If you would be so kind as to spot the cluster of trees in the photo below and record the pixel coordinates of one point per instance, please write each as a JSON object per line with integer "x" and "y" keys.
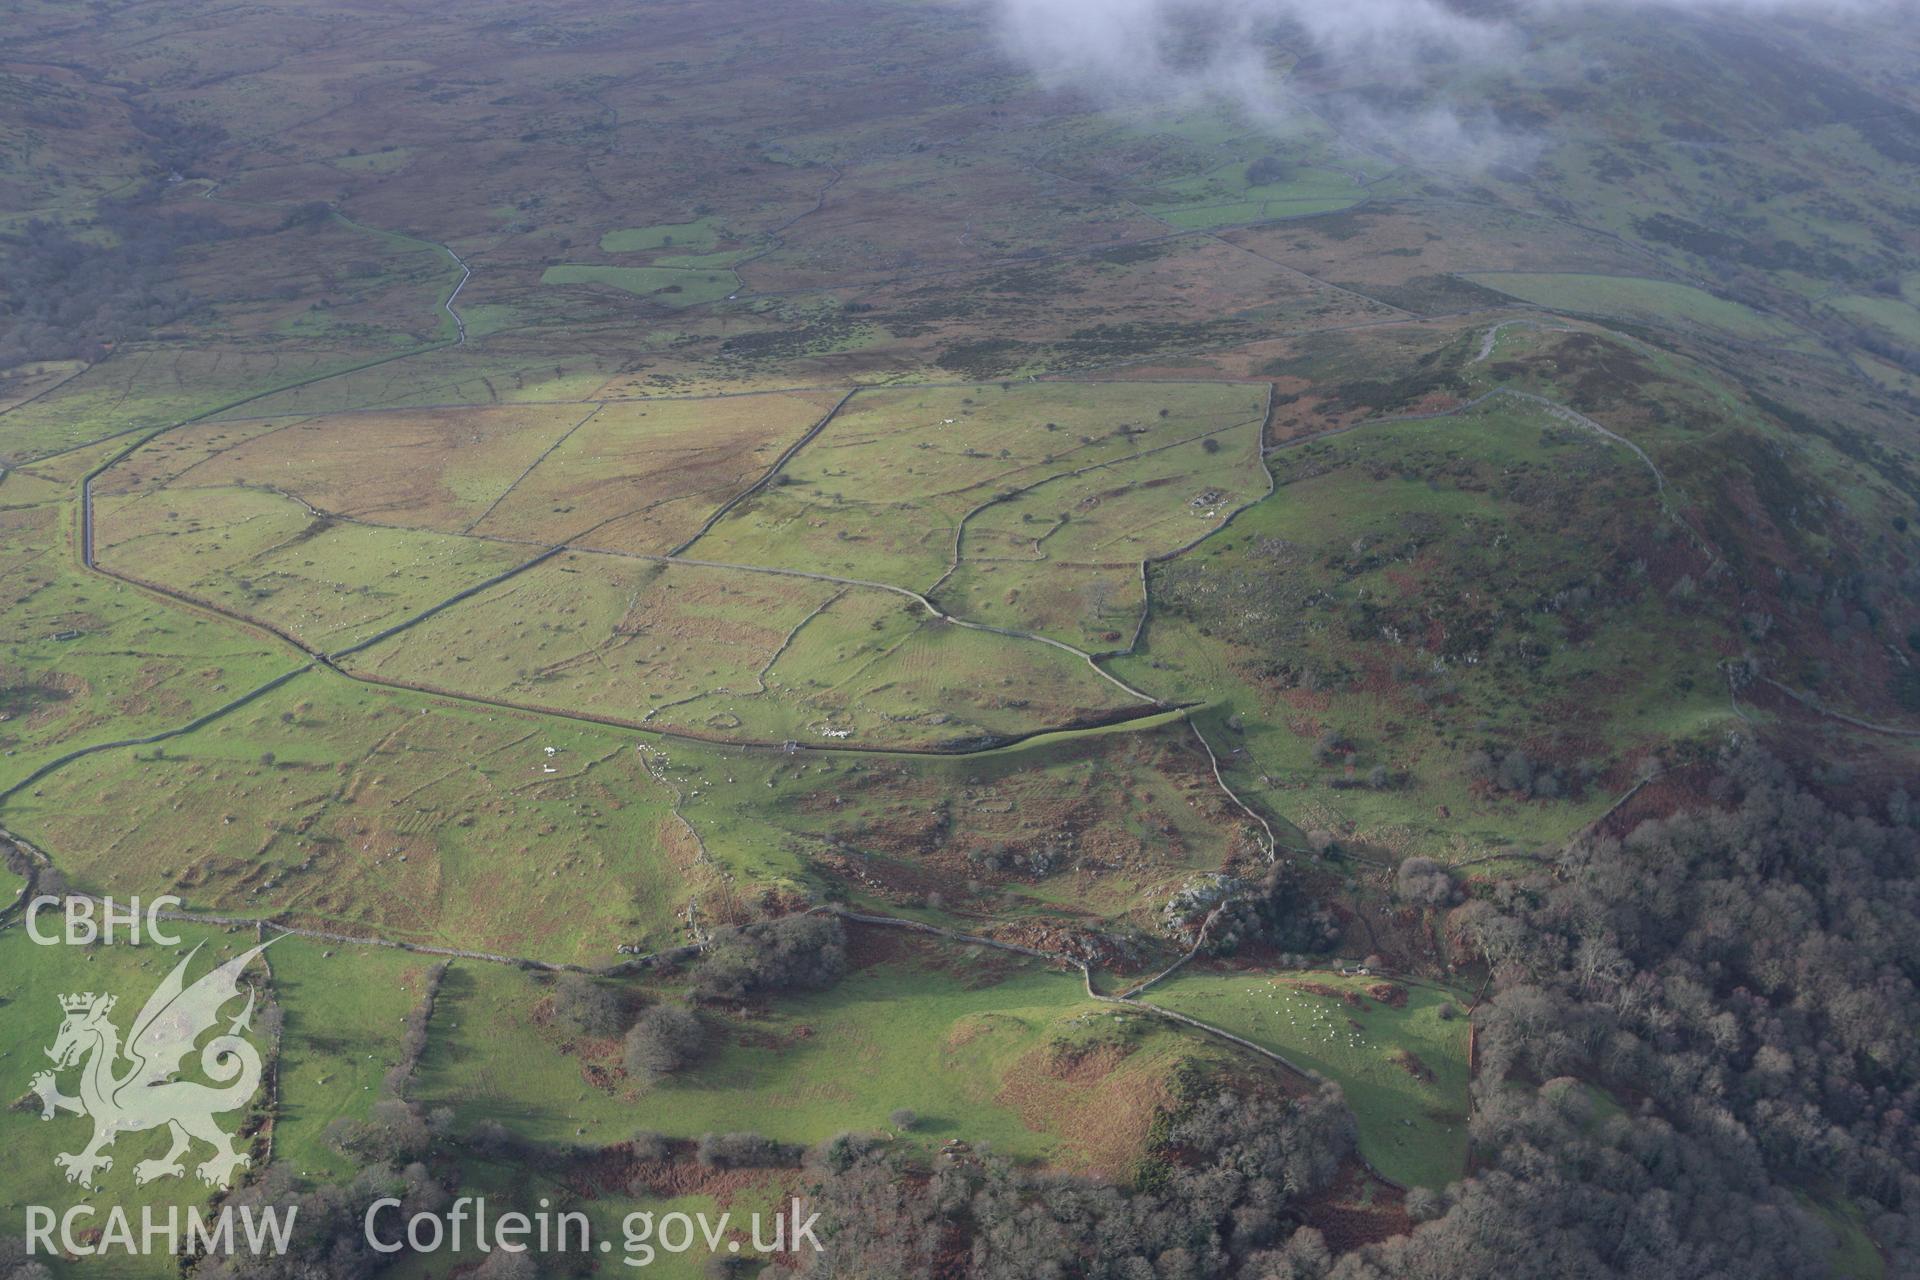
{"x": 394, "y": 1132}
{"x": 413, "y": 1041}
{"x": 1566, "y": 1191}
{"x": 1564, "y": 1188}
{"x": 1738, "y": 982}
{"x": 1279, "y": 911}
{"x": 65, "y": 297}
{"x": 1216, "y": 1203}
{"x": 1747, "y": 970}
{"x": 173, "y": 143}
{"x": 328, "y": 1239}
{"x": 590, "y": 1007}
{"x": 17, "y": 1264}
{"x": 1424, "y": 881}
{"x": 1027, "y": 858}
{"x": 1515, "y": 772}
{"x": 745, "y": 1151}
{"x": 793, "y": 953}
{"x": 663, "y": 1040}
{"x": 1268, "y": 169}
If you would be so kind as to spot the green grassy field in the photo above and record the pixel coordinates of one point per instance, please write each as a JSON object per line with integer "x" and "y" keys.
{"x": 737, "y": 655}
{"x": 1645, "y": 301}
{"x": 342, "y": 805}
{"x": 1226, "y": 197}
{"x": 1404, "y": 1070}
{"x": 1856, "y": 1257}
{"x": 145, "y": 389}
{"x": 1001, "y": 1053}
{"x": 1063, "y": 557}
{"x": 632, "y": 475}
{"x": 1897, "y": 316}
{"x": 645, "y": 476}
{"x": 670, "y": 286}
{"x": 264, "y": 556}
{"x": 383, "y": 161}
{"x": 881, "y": 491}
{"x": 433, "y": 469}
{"x": 700, "y": 235}
{"x": 93, "y": 661}
{"x": 341, "y": 1006}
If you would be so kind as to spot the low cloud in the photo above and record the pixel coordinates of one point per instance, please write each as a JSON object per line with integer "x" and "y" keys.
{"x": 1181, "y": 52}
{"x": 1169, "y": 48}
{"x": 1188, "y": 52}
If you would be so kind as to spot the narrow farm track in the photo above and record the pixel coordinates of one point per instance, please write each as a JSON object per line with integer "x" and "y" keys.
{"x": 446, "y": 304}
{"x": 466, "y": 274}
{"x": 1571, "y": 415}
{"x": 1553, "y": 408}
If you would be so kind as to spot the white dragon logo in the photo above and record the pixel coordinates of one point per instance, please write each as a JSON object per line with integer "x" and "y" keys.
{"x": 146, "y": 1096}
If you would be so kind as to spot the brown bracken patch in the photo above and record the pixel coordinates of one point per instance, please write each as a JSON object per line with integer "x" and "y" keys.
{"x": 615, "y": 1171}
{"x": 1347, "y": 1221}
{"x": 1100, "y": 1111}
{"x": 1331, "y": 993}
